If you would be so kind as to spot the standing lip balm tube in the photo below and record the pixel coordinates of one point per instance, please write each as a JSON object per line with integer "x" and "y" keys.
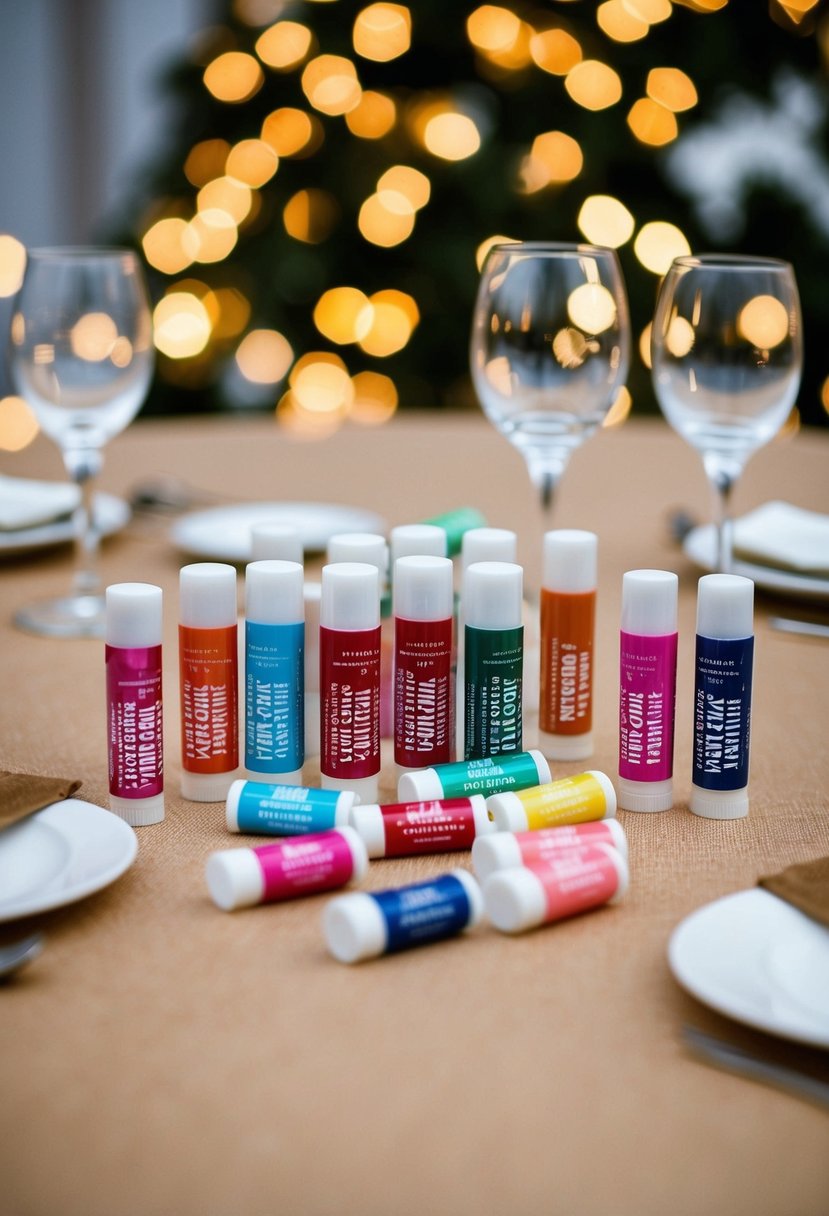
{"x": 505, "y": 850}
{"x": 578, "y": 799}
{"x": 311, "y": 595}
{"x": 275, "y": 542}
{"x": 274, "y": 671}
{"x": 494, "y": 659}
{"x": 573, "y": 882}
{"x": 568, "y": 613}
{"x": 134, "y": 727}
{"x": 465, "y": 777}
{"x": 366, "y": 925}
{"x": 722, "y": 696}
{"x": 647, "y": 690}
{"x": 422, "y": 661}
{"x": 285, "y": 810}
{"x": 208, "y": 670}
{"x": 350, "y": 679}
{"x": 442, "y": 826}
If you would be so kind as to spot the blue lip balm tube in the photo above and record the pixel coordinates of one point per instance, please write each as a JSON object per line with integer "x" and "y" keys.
{"x": 263, "y": 809}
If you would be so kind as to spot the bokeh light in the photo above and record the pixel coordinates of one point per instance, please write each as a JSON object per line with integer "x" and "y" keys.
{"x": 18, "y": 425}
{"x": 555, "y": 51}
{"x": 764, "y": 322}
{"x": 12, "y": 264}
{"x": 651, "y": 123}
{"x": 292, "y": 132}
{"x": 593, "y": 85}
{"x": 321, "y": 384}
{"x": 620, "y": 409}
{"x": 658, "y": 243}
{"x": 394, "y": 317}
{"x": 373, "y": 117}
{"x": 169, "y": 245}
{"x": 672, "y": 89}
{"x": 93, "y": 336}
{"x": 490, "y": 242}
{"x": 330, "y": 83}
{"x": 206, "y": 160}
{"x": 181, "y": 325}
{"x": 310, "y": 216}
{"x": 264, "y": 356}
{"x": 233, "y": 77}
{"x": 620, "y": 22}
{"x": 284, "y": 45}
{"x": 605, "y": 220}
{"x": 252, "y": 162}
{"x": 451, "y": 136}
{"x": 343, "y": 315}
{"x": 381, "y": 222}
{"x": 382, "y": 32}
{"x": 375, "y": 399}
{"x": 592, "y": 308}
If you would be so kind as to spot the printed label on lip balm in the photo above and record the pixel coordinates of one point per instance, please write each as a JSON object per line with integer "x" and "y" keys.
{"x": 424, "y": 912}
{"x": 303, "y": 867}
{"x": 286, "y": 810}
{"x": 565, "y": 705}
{"x": 568, "y": 800}
{"x": 488, "y": 776}
{"x": 646, "y": 706}
{"x": 576, "y": 881}
{"x": 439, "y": 826}
{"x": 208, "y": 669}
{"x": 136, "y": 754}
{"x": 537, "y": 847}
{"x": 722, "y": 713}
{"x": 422, "y": 692}
{"x": 494, "y": 660}
{"x": 350, "y": 700}
{"x": 274, "y": 697}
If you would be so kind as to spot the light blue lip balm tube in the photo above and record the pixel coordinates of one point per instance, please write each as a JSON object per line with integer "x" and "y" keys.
{"x": 274, "y": 671}
{"x": 264, "y": 809}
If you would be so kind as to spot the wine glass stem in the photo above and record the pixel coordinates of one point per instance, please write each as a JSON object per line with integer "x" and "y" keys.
{"x": 83, "y": 466}
{"x": 723, "y": 477}
{"x": 545, "y": 469}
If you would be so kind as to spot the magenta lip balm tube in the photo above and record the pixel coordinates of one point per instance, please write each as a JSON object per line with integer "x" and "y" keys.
{"x": 134, "y": 716}
{"x": 647, "y": 690}
{"x": 423, "y": 708}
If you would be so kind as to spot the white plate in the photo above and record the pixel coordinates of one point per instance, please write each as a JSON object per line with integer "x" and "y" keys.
{"x": 224, "y": 532}
{"x": 60, "y": 854}
{"x": 701, "y": 546}
{"x": 759, "y": 960}
{"x": 111, "y": 515}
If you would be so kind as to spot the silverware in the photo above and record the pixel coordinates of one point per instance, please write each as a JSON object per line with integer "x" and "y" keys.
{"x": 811, "y": 628}
{"x": 18, "y": 954}
{"x": 744, "y": 1064}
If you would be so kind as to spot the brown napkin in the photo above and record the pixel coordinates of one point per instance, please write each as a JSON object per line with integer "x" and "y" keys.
{"x": 21, "y": 794}
{"x": 805, "y": 885}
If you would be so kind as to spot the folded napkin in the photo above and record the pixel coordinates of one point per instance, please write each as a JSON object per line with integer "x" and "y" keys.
{"x": 778, "y": 534}
{"x": 805, "y": 885}
{"x": 21, "y": 794}
{"x": 25, "y": 503}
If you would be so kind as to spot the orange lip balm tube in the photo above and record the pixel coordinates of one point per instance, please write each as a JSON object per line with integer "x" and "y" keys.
{"x": 568, "y": 612}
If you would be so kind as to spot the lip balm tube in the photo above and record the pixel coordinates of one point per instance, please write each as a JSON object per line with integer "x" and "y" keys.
{"x": 494, "y": 659}
{"x": 274, "y": 671}
{"x": 311, "y": 595}
{"x": 208, "y": 672}
{"x": 464, "y": 777}
{"x": 578, "y": 799}
{"x": 416, "y": 540}
{"x": 573, "y": 882}
{"x": 647, "y": 690}
{"x": 456, "y": 524}
{"x": 504, "y": 850}
{"x": 285, "y": 810}
{"x": 240, "y": 878}
{"x": 423, "y": 703}
{"x": 271, "y": 542}
{"x": 134, "y": 715}
{"x": 350, "y": 679}
{"x": 441, "y": 826}
{"x": 568, "y": 614}
{"x": 364, "y": 925}
{"x": 722, "y": 696}
{"x": 371, "y": 548}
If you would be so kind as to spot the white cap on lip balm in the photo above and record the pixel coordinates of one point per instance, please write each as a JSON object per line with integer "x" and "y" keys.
{"x": 502, "y": 851}
{"x": 570, "y": 561}
{"x": 417, "y": 540}
{"x": 274, "y": 593}
{"x": 423, "y": 588}
{"x": 488, "y": 545}
{"x": 515, "y": 899}
{"x": 367, "y": 547}
{"x": 492, "y": 595}
{"x": 275, "y": 542}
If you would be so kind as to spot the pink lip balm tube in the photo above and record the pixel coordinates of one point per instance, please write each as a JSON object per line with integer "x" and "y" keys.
{"x": 440, "y": 826}
{"x": 423, "y": 701}
{"x": 563, "y": 886}
{"x": 647, "y": 690}
{"x": 134, "y": 717}
{"x": 241, "y": 878}
{"x": 505, "y": 850}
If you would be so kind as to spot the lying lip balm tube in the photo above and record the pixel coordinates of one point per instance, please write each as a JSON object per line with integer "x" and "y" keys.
{"x": 440, "y": 826}
{"x": 465, "y": 777}
{"x": 366, "y": 925}
{"x": 285, "y": 810}
{"x": 240, "y": 878}
{"x": 577, "y": 880}
{"x": 504, "y": 850}
{"x": 578, "y": 799}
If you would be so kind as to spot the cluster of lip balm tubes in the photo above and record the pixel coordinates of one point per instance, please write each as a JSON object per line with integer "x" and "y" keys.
{"x": 314, "y": 659}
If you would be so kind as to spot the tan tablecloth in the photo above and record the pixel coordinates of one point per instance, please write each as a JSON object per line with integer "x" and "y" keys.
{"x": 164, "y": 1057}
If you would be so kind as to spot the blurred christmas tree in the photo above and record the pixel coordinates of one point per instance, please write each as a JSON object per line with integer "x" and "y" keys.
{"x": 341, "y": 168}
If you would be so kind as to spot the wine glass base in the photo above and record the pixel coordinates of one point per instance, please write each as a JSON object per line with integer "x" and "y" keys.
{"x": 70, "y": 616}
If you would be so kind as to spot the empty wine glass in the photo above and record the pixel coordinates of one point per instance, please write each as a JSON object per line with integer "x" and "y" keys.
{"x": 727, "y": 354}
{"x": 550, "y": 349}
{"x": 81, "y": 354}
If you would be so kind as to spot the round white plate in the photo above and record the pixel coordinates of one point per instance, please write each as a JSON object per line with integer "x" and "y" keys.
{"x": 60, "y": 854}
{"x": 111, "y": 515}
{"x": 223, "y": 533}
{"x": 759, "y": 960}
{"x": 701, "y": 546}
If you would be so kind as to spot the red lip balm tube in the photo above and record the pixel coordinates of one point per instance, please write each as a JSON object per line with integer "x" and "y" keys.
{"x": 422, "y": 661}
{"x": 443, "y": 825}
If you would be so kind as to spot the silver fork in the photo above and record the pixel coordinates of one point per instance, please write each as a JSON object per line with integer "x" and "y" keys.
{"x": 744, "y": 1064}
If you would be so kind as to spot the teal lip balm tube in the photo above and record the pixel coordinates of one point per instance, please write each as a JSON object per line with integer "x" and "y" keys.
{"x": 494, "y": 659}
{"x": 492, "y": 775}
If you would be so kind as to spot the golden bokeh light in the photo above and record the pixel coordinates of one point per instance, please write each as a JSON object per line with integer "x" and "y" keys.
{"x": 93, "y": 336}
{"x": 18, "y": 425}
{"x": 284, "y": 45}
{"x": 382, "y": 225}
{"x": 619, "y": 22}
{"x": 651, "y": 123}
{"x": 320, "y": 383}
{"x": 555, "y": 158}
{"x": 181, "y": 325}
{"x": 375, "y": 399}
{"x": 310, "y": 216}
{"x": 680, "y": 337}
{"x": 264, "y": 356}
{"x": 791, "y": 426}
{"x": 233, "y": 312}
{"x": 411, "y": 183}
{"x": 672, "y": 89}
{"x": 645, "y": 345}
{"x": 605, "y": 220}
{"x": 252, "y": 162}
{"x": 652, "y": 11}
{"x": 257, "y": 12}
{"x": 764, "y": 322}
{"x": 393, "y": 320}
{"x": 382, "y": 32}
{"x": 451, "y": 136}
{"x": 306, "y": 425}
{"x": 291, "y": 132}
{"x": 555, "y": 51}
{"x": 658, "y": 243}
{"x": 343, "y": 315}
{"x": 225, "y": 195}
{"x": 206, "y": 160}
{"x": 233, "y": 77}
{"x": 620, "y": 409}
{"x": 169, "y": 245}
{"x": 570, "y": 347}
{"x": 373, "y": 116}
{"x": 593, "y": 85}
{"x": 214, "y": 235}
{"x": 592, "y": 308}
{"x": 490, "y": 243}
{"x": 12, "y": 264}
{"x": 330, "y": 83}
{"x": 493, "y": 29}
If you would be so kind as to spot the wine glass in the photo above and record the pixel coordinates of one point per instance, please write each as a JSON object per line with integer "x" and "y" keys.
{"x": 727, "y": 353}
{"x": 81, "y": 354}
{"x": 550, "y": 349}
